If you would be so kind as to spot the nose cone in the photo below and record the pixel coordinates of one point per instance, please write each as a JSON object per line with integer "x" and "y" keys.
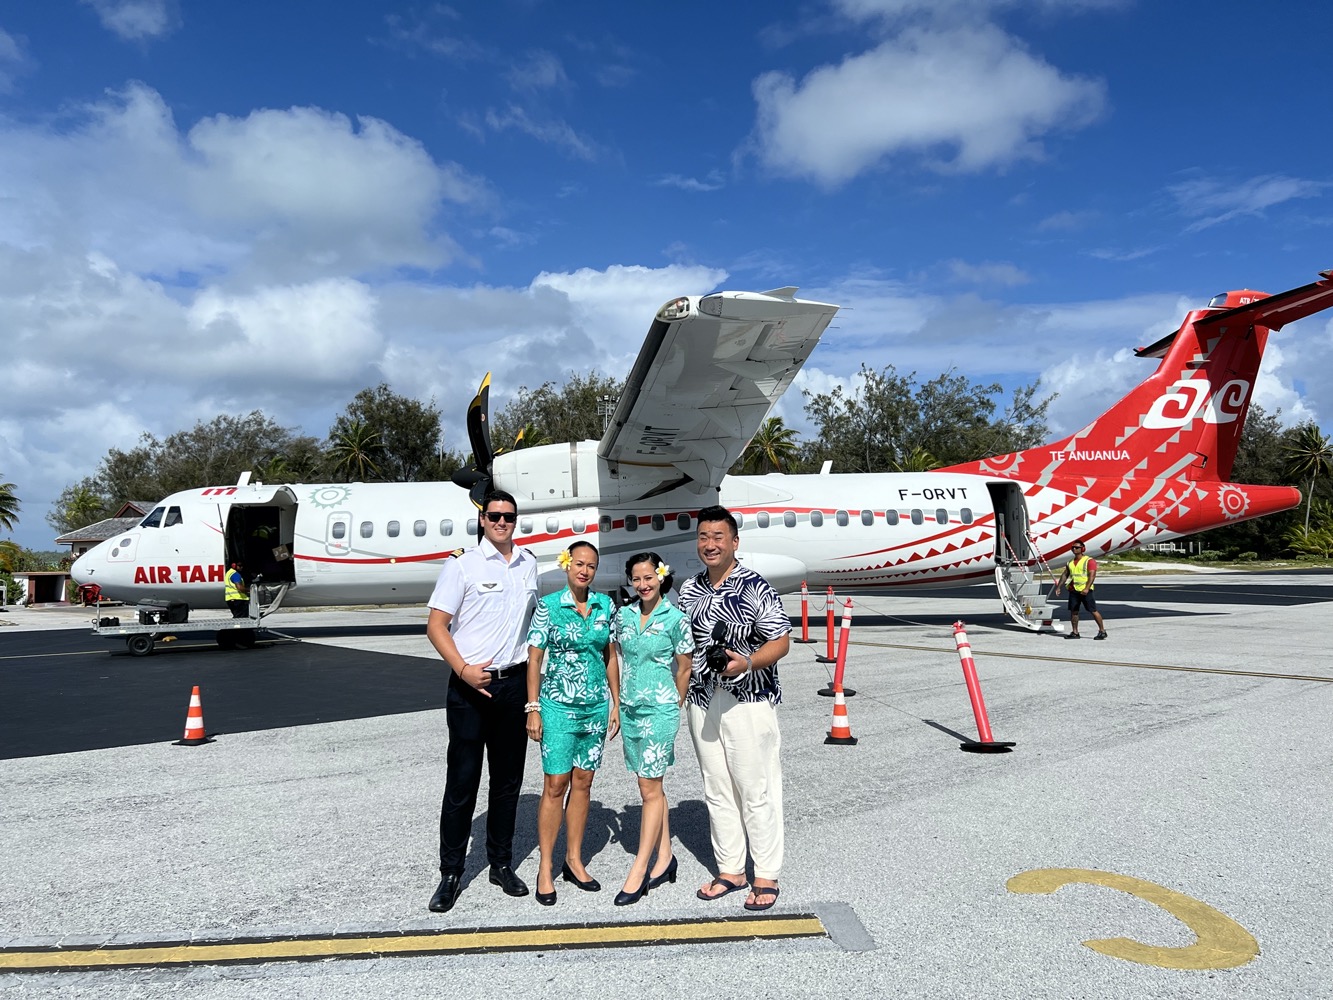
{"x": 83, "y": 571}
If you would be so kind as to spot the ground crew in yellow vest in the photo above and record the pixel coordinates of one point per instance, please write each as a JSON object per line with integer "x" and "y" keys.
{"x": 237, "y": 594}
{"x": 1080, "y": 574}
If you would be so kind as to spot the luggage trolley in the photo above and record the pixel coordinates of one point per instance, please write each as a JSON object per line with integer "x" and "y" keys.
{"x": 154, "y": 620}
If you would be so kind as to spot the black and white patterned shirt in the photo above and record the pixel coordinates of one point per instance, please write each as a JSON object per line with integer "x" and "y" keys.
{"x": 752, "y": 613}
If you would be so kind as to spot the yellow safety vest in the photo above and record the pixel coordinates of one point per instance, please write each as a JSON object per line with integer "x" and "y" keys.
{"x": 233, "y": 591}
{"x": 1078, "y": 574}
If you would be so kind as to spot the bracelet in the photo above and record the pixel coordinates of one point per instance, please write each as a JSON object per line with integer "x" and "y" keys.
{"x": 533, "y": 706}
{"x": 749, "y": 663}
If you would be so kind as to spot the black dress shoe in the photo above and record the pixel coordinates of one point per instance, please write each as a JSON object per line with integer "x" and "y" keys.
{"x": 506, "y": 879}
{"x": 668, "y": 875}
{"x": 446, "y": 894}
{"x": 592, "y": 885}
{"x": 630, "y": 898}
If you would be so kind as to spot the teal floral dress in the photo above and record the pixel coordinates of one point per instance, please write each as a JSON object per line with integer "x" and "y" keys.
{"x": 649, "y": 701}
{"x": 575, "y": 695}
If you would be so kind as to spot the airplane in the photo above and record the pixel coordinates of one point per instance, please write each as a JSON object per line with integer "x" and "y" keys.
{"x": 1152, "y": 468}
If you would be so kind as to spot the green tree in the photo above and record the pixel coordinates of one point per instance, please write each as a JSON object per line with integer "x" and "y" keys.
{"x": 1309, "y": 454}
{"x": 530, "y": 437}
{"x": 355, "y": 451}
{"x": 919, "y": 460}
{"x": 406, "y": 430}
{"x": 77, "y": 507}
{"x": 772, "y": 449}
{"x": 569, "y": 412}
{"x": 9, "y": 507}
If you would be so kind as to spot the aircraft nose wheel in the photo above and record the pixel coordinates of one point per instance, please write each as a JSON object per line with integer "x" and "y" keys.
{"x": 139, "y": 645}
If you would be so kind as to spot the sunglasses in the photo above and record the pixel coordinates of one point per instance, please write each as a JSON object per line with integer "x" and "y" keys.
{"x": 496, "y": 516}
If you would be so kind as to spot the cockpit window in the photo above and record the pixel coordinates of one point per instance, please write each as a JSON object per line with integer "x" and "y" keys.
{"x": 1218, "y": 301}
{"x": 173, "y": 517}
{"x": 154, "y": 519}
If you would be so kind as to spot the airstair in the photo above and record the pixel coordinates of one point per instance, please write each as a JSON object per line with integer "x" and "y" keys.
{"x": 1022, "y": 583}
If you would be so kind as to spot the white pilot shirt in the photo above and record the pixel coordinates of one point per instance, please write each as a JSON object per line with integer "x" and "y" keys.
{"x": 491, "y": 602}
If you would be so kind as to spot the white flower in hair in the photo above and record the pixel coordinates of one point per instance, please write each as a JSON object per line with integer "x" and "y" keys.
{"x": 663, "y": 571}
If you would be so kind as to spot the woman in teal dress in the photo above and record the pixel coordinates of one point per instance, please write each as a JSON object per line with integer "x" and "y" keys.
{"x": 570, "y": 711}
{"x": 655, "y": 644}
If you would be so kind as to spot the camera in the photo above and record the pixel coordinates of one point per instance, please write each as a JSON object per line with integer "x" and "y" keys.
{"x": 715, "y": 654}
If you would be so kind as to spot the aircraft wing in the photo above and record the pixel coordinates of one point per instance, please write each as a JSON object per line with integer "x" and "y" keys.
{"x": 707, "y": 375}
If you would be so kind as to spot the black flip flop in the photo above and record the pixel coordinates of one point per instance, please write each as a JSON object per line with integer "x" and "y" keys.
{"x": 730, "y": 887}
{"x": 763, "y": 890}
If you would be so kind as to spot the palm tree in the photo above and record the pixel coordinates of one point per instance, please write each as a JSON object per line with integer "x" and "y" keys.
{"x": 530, "y": 436}
{"x": 772, "y": 449}
{"x": 355, "y": 449}
{"x": 919, "y": 460}
{"x": 1311, "y": 456}
{"x": 9, "y": 507}
{"x": 10, "y": 554}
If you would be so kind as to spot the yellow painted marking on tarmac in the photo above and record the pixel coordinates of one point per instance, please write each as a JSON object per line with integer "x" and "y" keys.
{"x": 953, "y": 652}
{"x": 1221, "y": 942}
{"x": 420, "y": 943}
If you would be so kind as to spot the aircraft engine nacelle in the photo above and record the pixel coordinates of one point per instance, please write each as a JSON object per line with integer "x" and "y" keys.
{"x": 569, "y": 475}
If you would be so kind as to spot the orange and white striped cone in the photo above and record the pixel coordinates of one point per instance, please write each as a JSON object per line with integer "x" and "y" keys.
{"x": 841, "y": 733}
{"x": 194, "y": 723}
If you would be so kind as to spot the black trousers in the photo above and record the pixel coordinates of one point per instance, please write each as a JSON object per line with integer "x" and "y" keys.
{"x": 497, "y": 728}
{"x": 239, "y": 609}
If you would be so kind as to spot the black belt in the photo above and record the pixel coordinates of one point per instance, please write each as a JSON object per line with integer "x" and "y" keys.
{"x": 509, "y": 671}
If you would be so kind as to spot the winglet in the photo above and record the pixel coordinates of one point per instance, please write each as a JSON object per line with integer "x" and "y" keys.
{"x": 785, "y": 292}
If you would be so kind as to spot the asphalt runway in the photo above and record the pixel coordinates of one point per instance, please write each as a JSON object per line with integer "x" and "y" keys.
{"x": 1159, "y": 830}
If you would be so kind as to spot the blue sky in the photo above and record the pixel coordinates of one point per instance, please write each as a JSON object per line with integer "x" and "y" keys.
{"x": 211, "y": 208}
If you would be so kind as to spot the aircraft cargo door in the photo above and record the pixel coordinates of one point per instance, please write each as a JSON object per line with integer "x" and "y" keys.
{"x": 260, "y": 528}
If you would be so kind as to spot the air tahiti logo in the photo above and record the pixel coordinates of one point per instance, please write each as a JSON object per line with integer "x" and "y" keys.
{"x": 1234, "y": 503}
{"x": 1002, "y": 465}
{"x": 1188, "y": 398}
{"x": 330, "y": 496}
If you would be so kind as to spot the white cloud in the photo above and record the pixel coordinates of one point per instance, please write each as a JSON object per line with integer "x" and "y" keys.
{"x": 963, "y": 99}
{"x": 14, "y": 60}
{"x": 1211, "y": 201}
{"x": 552, "y": 131}
{"x": 133, "y": 20}
{"x": 992, "y": 273}
{"x": 539, "y": 71}
{"x": 714, "y": 182}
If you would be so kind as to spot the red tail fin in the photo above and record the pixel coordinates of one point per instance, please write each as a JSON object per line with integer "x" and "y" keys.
{"x": 1185, "y": 420}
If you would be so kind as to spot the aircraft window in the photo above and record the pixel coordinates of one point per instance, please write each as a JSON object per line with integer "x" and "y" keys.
{"x": 339, "y": 529}
{"x": 173, "y": 517}
{"x": 761, "y": 519}
{"x": 941, "y": 515}
{"x": 1218, "y": 301}
{"x": 472, "y": 527}
{"x": 659, "y": 522}
{"x": 740, "y": 519}
{"x": 918, "y": 517}
{"x": 789, "y": 518}
{"x": 580, "y": 525}
{"x": 552, "y": 525}
{"x": 842, "y": 519}
{"x": 604, "y": 523}
{"x": 816, "y": 518}
{"x": 525, "y": 525}
{"x": 867, "y": 517}
{"x": 890, "y": 517}
{"x": 631, "y": 523}
{"x": 419, "y": 528}
{"x": 447, "y": 527}
{"x": 393, "y": 529}
{"x": 965, "y": 515}
{"x": 154, "y": 518}
{"x": 367, "y": 529}
{"x": 683, "y": 522}
{"x": 124, "y": 542}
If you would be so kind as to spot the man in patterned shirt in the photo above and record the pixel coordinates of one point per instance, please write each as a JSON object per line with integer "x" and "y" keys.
{"x": 733, "y": 713}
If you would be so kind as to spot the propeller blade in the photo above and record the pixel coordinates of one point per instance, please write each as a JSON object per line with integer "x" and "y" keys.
{"x": 479, "y": 427}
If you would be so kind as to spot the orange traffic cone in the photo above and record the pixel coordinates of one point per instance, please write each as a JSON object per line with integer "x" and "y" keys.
{"x": 841, "y": 733}
{"x": 194, "y": 723}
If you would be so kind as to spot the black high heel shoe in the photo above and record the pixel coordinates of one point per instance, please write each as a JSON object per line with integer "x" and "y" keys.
{"x": 545, "y": 898}
{"x": 592, "y": 885}
{"x": 668, "y": 875}
{"x": 626, "y": 898}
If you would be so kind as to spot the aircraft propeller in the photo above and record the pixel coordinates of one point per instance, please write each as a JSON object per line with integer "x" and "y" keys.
{"x": 477, "y": 479}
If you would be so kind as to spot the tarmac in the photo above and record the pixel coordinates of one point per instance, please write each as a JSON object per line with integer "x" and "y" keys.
{"x": 1159, "y": 829}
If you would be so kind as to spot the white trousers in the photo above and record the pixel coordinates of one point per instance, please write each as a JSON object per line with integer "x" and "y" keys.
{"x": 737, "y": 744}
